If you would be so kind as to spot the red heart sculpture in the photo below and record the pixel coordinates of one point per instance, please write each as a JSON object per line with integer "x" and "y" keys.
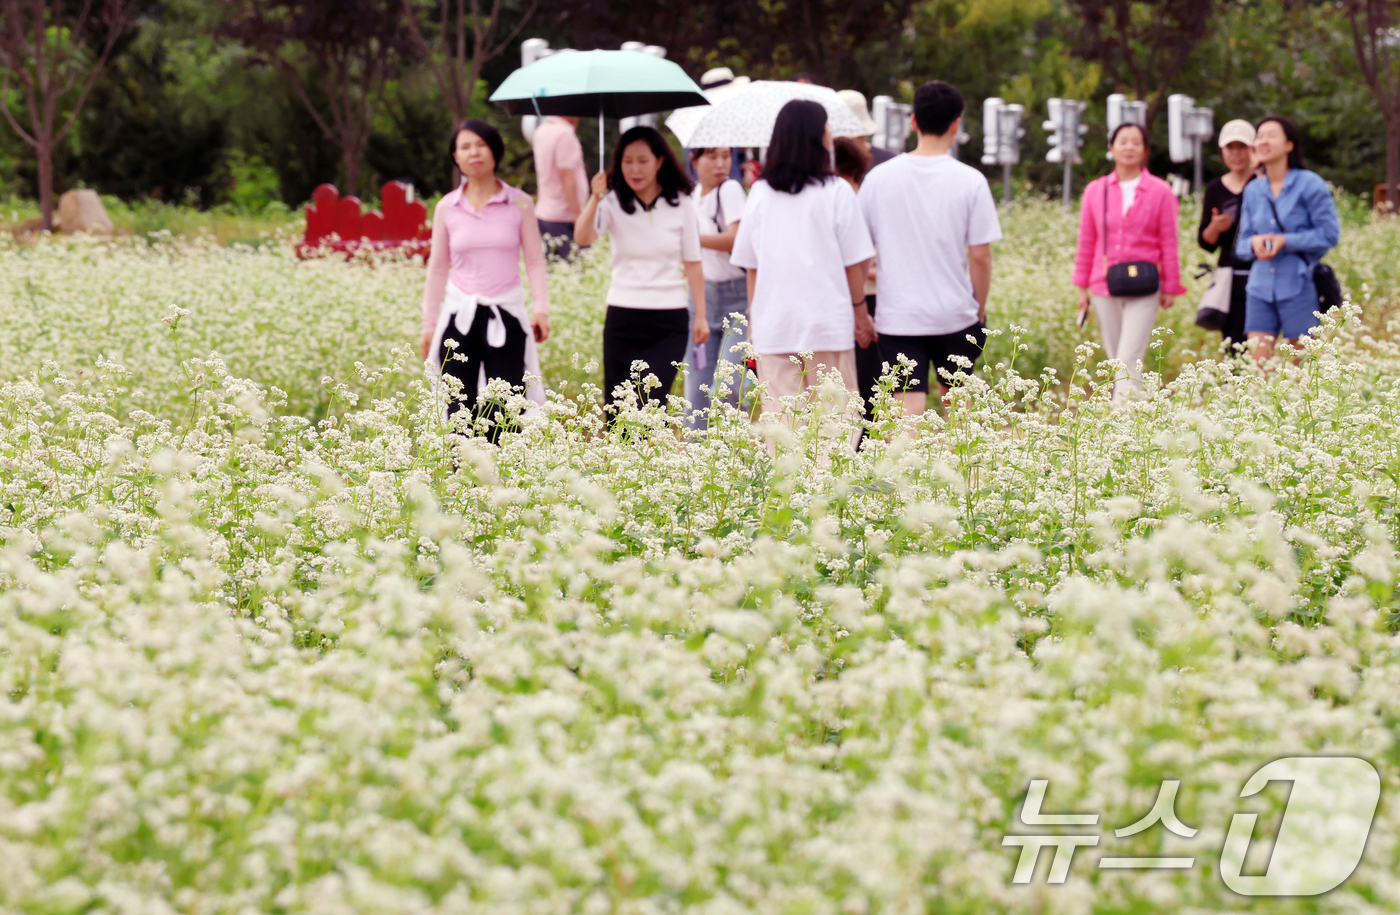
{"x": 403, "y": 224}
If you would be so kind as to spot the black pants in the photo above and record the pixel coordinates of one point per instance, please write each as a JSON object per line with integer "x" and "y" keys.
{"x": 932, "y": 353}
{"x": 868, "y": 362}
{"x": 558, "y": 238}
{"x": 506, "y": 363}
{"x": 1233, "y": 331}
{"x": 655, "y": 336}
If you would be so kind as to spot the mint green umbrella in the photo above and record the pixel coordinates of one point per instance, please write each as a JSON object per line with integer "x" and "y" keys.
{"x": 585, "y": 84}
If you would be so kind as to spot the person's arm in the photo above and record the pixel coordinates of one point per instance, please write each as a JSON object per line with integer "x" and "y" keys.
{"x": 532, "y": 249}
{"x": 571, "y": 191}
{"x": 691, "y": 265}
{"x": 721, "y": 241}
{"x": 1244, "y": 242}
{"x": 1213, "y": 224}
{"x": 1168, "y": 233}
{"x": 732, "y": 208}
{"x": 857, "y": 250}
{"x": 1326, "y": 228}
{"x": 865, "y": 325}
{"x": 439, "y": 269}
{"x": 746, "y": 257}
{"x": 695, "y": 279}
{"x": 979, "y": 269}
{"x": 1088, "y": 244}
{"x": 585, "y": 232}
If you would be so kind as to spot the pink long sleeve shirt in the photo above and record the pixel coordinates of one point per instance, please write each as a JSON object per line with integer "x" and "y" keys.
{"x": 1147, "y": 232}
{"x": 479, "y": 251}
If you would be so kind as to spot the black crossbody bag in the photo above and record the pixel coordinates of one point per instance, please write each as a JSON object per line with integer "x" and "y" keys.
{"x": 1130, "y": 279}
{"x": 1329, "y": 290}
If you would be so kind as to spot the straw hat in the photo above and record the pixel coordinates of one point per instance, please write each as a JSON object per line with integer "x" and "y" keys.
{"x": 856, "y": 102}
{"x": 721, "y": 76}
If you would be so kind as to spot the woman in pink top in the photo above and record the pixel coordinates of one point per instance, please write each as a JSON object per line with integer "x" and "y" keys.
{"x": 1138, "y": 219}
{"x": 475, "y": 327}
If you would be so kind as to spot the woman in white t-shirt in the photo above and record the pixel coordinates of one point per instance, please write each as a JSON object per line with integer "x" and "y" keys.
{"x": 718, "y": 205}
{"x": 655, "y": 256}
{"x": 805, "y": 247}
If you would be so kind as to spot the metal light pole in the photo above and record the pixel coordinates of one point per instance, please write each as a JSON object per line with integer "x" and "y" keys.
{"x": 531, "y": 50}
{"x": 891, "y": 123}
{"x": 1009, "y": 133}
{"x": 1187, "y": 127}
{"x": 990, "y": 115}
{"x": 1065, "y": 133}
{"x": 1200, "y": 123}
{"x": 963, "y": 137}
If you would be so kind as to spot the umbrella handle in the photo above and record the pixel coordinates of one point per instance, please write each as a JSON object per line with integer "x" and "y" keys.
{"x": 600, "y": 136}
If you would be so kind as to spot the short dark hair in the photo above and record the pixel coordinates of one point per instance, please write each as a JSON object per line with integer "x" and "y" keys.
{"x": 936, "y": 106}
{"x": 698, "y": 151}
{"x": 1142, "y": 131}
{"x": 852, "y": 159}
{"x": 796, "y": 156}
{"x": 671, "y": 177}
{"x": 489, "y": 134}
{"x": 1291, "y": 133}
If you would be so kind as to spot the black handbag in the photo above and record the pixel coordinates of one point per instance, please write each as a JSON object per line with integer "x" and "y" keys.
{"x": 1329, "y": 289}
{"x": 1130, "y": 279}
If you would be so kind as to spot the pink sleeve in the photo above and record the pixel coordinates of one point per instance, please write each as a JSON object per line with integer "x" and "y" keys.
{"x": 532, "y": 246}
{"x": 568, "y": 154}
{"x": 439, "y": 268}
{"x": 1088, "y": 235}
{"x": 1170, "y": 233}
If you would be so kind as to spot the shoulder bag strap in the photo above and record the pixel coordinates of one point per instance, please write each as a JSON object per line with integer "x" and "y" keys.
{"x": 719, "y": 206}
{"x": 1269, "y": 196}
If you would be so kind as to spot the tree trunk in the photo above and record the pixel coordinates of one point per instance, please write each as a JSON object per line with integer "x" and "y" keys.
{"x": 1392, "y": 162}
{"x": 352, "y": 168}
{"x": 45, "y": 156}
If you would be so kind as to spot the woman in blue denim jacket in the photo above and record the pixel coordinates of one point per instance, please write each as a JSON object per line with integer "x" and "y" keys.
{"x": 1284, "y": 240}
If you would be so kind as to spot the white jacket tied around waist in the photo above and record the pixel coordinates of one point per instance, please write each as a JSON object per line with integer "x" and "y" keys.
{"x": 461, "y": 307}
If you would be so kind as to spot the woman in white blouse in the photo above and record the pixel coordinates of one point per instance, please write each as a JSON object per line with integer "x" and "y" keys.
{"x": 806, "y": 249}
{"x": 655, "y": 256}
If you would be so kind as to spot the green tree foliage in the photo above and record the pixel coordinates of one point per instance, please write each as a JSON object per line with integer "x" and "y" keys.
{"x": 179, "y": 114}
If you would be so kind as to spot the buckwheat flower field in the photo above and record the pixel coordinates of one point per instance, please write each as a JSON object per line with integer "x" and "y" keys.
{"x": 276, "y": 641}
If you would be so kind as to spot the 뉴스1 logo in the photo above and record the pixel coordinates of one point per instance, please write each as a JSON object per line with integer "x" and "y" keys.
{"x": 1320, "y": 840}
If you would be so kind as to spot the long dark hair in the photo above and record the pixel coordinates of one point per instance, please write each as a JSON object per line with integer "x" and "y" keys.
{"x": 852, "y": 159}
{"x": 491, "y": 135}
{"x": 671, "y": 176}
{"x": 796, "y": 156}
{"x": 1290, "y": 133}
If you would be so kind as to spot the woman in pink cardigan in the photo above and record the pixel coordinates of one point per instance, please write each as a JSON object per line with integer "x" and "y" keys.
{"x": 475, "y": 326}
{"x": 1135, "y": 224}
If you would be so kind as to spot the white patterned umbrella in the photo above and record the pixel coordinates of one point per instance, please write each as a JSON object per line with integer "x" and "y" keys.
{"x": 745, "y": 117}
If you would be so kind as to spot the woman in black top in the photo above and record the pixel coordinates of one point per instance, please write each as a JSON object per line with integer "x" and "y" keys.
{"x": 1220, "y": 215}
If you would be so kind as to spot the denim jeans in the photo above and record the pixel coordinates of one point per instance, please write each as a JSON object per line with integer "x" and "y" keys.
{"x": 722, "y": 300}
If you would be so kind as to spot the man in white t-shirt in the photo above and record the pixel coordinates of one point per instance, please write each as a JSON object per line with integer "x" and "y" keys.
{"x": 933, "y": 221}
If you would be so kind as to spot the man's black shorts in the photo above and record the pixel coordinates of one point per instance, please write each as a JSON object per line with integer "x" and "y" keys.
{"x": 933, "y": 352}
